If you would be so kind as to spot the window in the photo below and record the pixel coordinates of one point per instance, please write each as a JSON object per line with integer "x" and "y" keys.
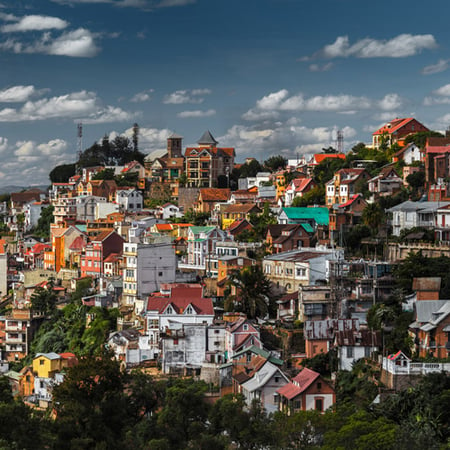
{"x": 297, "y": 404}
{"x": 245, "y": 327}
{"x": 319, "y": 386}
{"x": 41, "y": 362}
{"x": 367, "y": 352}
{"x": 249, "y": 357}
{"x": 349, "y": 352}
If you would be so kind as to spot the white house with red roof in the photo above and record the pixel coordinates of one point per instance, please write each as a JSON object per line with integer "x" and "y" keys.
{"x": 307, "y": 391}
{"x": 184, "y": 304}
{"x": 297, "y": 188}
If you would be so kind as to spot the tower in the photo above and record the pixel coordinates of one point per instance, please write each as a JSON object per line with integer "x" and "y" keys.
{"x": 174, "y": 149}
{"x": 340, "y": 141}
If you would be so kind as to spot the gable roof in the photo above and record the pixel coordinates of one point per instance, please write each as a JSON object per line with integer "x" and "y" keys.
{"x": 299, "y": 384}
{"x": 319, "y": 157}
{"x": 392, "y": 126}
{"x": 319, "y": 214}
{"x": 214, "y": 194}
{"x": 262, "y": 377}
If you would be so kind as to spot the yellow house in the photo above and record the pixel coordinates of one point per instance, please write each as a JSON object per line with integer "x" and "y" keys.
{"x": 232, "y": 212}
{"x": 45, "y": 365}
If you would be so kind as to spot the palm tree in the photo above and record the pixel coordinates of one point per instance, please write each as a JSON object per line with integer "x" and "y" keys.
{"x": 373, "y": 216}
{"x": 252, "y": 291}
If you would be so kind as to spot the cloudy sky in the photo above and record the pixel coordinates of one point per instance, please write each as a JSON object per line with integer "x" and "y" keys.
{"x": 265, "y": 76}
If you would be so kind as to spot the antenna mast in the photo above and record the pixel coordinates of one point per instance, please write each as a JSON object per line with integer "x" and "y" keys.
{"x": 340, "y": 141}
{"x": 80, "y": 140}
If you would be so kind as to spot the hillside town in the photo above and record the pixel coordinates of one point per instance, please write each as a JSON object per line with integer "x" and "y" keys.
{"x": 295, "y": 286}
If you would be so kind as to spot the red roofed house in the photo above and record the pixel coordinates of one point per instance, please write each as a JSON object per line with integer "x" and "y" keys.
{"x": 437, "y": 161}
{"x": 320, "y": 157}
{"x": 207, "y": 162}
{"x": 344, "y": 216}
{"x": 239, "y": 335}
{"x": 297, "y": 188}
{"x": 181, "y": 303}
{"x": 208, "y": 197}
{"x": 386, "y": 182}
{"x": 307, "y": 391}
{"x": 396, "y": 129}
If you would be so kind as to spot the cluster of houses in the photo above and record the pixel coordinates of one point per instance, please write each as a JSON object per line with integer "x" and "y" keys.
{"x": 168, "y": 277}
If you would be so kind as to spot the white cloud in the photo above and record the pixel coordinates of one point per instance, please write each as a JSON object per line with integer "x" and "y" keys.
{"x": 16, "y": 94}
{"x": 400, "y": 46}
{"x": 321, "y": 68}
{"x": 183, "y": 96}
{"x": 78, "y": 43}
{"x": 143, "y": 96}
{"x": 35, "y": 23}
{"x": 440, "y": 96}
{"x": 440, "y": 66}
{"x": 443, "y": 90}
{"x": 197, "y": 113}
{"x": 390, "y": 102}
{"x": 287, "y": 138}
{"x": 83, "y": 105}
{"x": 144, "y": 4}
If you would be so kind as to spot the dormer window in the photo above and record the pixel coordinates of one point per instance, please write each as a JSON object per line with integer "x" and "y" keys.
{"x": 169, "y": 310}
{"x": 189, "y": 310}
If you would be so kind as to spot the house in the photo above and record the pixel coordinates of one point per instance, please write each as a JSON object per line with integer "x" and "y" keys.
{"x": 102, "y": 188}
{"x": 386, "y": 182}
{"x": 297, "y": 188}
{"x": 97, "y": 250}
{"x": 353, "y": 345}
{"x": 318, "y": 158}
{"x": 146, "y": 267}
{"x": 282, "y": 238}
{"x": 202, "y": 242}
{"x": 395, "y": 130}
{"x": 290, "y": 270}
{"x": 346, "y": 215}
{"x": 307, "y": 391}
{"x": 287, "y": 307}
{"x": 315, "y": 216}
{"x": 344, "y": 184}
{"x": 238, "y": 226}
{"x": 249, "y": 183}
{"x": 411, "y": 214}
{"x": 431, "y": 328}
{"x": 437, "y": 155}
{"x": 319, "y": 334}
{"x": 225, "y": 265}
{"x": 243, "y": 196}
{"x": 240, "y": 334}
{"x": 409, "y": 154}
{"x": 263, "y": 386}
{"x": 233, "y": 212}
{"x": 169, "y": 211}
{"x": 130, "y": 346}
{"x": 207, "y": 164}
{"x": 208, "y": 197}
{"x": 183, "y": 304}
{"x": 315, "y": 303}
{"x": 129, "y": 200}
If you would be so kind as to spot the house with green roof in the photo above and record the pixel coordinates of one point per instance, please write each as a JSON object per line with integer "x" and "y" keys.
{"x": 314, "y": 216}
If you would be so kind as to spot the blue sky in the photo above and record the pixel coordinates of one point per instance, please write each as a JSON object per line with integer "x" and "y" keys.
{"x": 265, "y": 76}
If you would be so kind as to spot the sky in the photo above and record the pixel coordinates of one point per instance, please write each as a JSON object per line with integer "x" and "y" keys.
{"x": 268, "y": 77}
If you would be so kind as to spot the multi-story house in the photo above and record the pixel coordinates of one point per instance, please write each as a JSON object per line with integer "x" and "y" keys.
{"x": 207, "y": 163}
{"x": 129, "y": 200}
{"x": 19, "y": 331}
{"x": 387, "y": 182}
{"x": 315, "y": 303}
{"x": 208, "y": 197}
{"x": 97, "y": 250}
{"x": 290, "y": 270}
{"x": 415, "y": 214}
{"x": 344, "y": 184}
{"x": 65, "y": 210}
{"x": 282, "y": 238}
{"x": 233, "y": 212}
{"x": 395, "y": 130}
{"x": 201, "y": 248}
{"x": 145, "y": 267}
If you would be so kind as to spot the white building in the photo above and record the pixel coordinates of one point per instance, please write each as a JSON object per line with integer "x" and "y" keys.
{"x": 146, "y": 267}
{"x": 129, "y": 200}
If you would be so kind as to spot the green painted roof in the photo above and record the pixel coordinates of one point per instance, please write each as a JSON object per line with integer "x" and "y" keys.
{"x": 307, "y": 227}
{"x": 197, "y": 230}
{"x": 320, "y": 214}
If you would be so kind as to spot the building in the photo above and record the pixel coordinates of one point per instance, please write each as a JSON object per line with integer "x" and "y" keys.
{"x": 307, "y": 391}
{"x": 393, "y": 131}
{"x": 297, "y": 188}
{"x": 207, "y": 164}
{"x": 344, "y": 184}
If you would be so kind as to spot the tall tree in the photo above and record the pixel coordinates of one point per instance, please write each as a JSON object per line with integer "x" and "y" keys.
{"x": 275, "y": 163}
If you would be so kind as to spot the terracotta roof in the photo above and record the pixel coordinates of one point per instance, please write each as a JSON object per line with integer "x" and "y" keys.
{"x": 299, "y": 383}
{"x": 164, "y": 226}
{"x": 300, "y": 184}
{"x": 214, "y": 194}
{"x": 239, "y": 208}
{"x": 319, "y": 157}
{"x": 77, "y": 244}
{"x": 350, "y": 201}
{"x": 113, "y": 257}
{"x": 392, "y": 126}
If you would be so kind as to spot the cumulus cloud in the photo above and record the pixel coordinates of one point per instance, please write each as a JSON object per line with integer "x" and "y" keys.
{"x": 271, "y": 105}
{"x": 440, "y": 66}
{"x": 83, "y": 105}
{"x": 32, "y": 160}
{"x": 440, "y": 96}
{"x": 143, "y": 96}
{"x": 183, "y": 96}
{"x": 78, "y": 43}
{"x": 288, "y": 138}
{"x": 400, "y": 46}
{"x": 35, "y": 23}
{"x": 16, "y": 94}
{"x": 197, "y": 113}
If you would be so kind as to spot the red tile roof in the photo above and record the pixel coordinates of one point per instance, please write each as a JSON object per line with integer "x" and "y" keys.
{"x": 214, "y": 194}
{"x": 299, "y": 383}
{"x": 319, "y": 157}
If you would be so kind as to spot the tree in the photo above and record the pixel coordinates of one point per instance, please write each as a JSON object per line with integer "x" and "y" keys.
{"x": 91, "y": 405}
{"x": 421, "y": 137}
{"x": 373, "y": 216}
{"x": 316, "y": 196}
{"x": 62, "y": 173}
{"x": 42, "y": 227}
{"x": 43, "y": 300}
{"x": 417, "y": 182}
{"x": 253, "y": 292}
{"x": 275, "y": 163}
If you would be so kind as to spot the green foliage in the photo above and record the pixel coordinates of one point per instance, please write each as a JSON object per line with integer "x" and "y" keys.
{"x": 416, "y": 181}
{"x": 253, "y": 293}
{"x": 62, "y": 173}
{"x": 275, "y": 163}
{"x": 373, "y": 216}
{"x": 323, "y": 363}
{"x": 106, "y": 174}
{"x": 316, "y": 196}
{"x": 421, "y": 137}
{"x": 43, "y": 300}
{"x": 196, "y": 218}
{"x": 324, "y": 172}
{"x": 42, "y": 228}
{"x": 353, "y": 237}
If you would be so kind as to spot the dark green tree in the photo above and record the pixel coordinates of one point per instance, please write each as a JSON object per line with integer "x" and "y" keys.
{"x": 62, "y": 173}
{"x": 42, "y": 228}
{"x": 275, "y": 163}
{"x": 43, "y": 300}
